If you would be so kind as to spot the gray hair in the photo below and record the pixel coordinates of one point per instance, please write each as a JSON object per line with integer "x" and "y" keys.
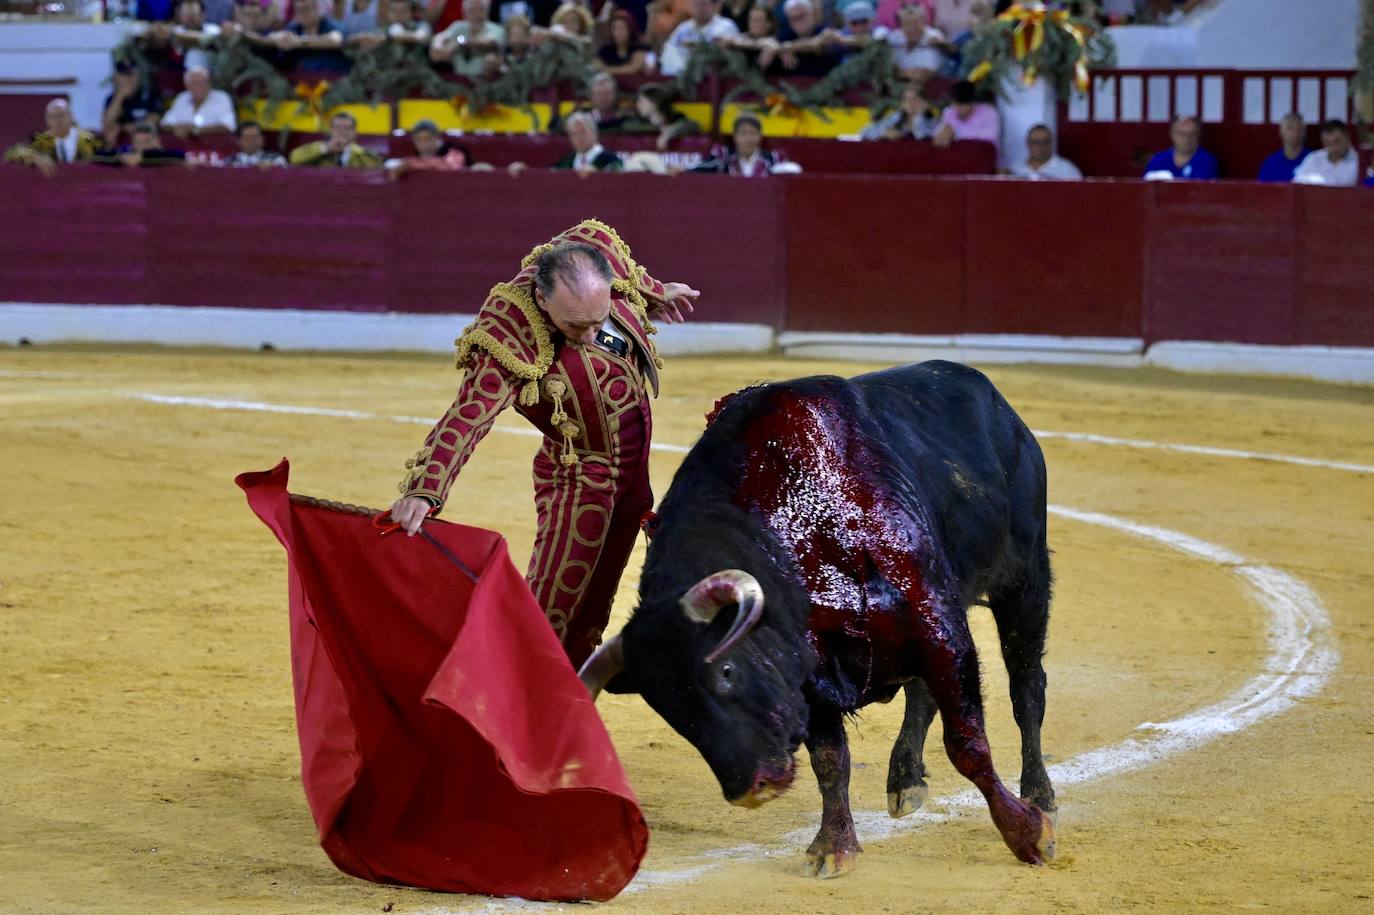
{"x": 796, "y": 4}
{"x": 1292, "y": 117}
{"x": 571, "y": 260}
{"x": 580, "y": 117}
{"x": 603, "y": 77}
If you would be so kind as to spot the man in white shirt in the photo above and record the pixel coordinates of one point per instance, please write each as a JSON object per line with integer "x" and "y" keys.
{"x": 1043, "y": 163}
{"x": 1336, "y": 163}
{"x": 199, "y": 109}
{"x": 472, "y": 44}
{"x": 706, "y": 24}
{"x": 917, "y": 49}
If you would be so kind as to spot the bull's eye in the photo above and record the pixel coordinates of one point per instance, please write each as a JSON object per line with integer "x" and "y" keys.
{"x": 725, "y": 679}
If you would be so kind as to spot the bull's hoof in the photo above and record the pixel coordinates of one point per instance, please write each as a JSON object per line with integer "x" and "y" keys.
{"x": 1039, "y": 849}
{"x": 828, "y": 864}
{"x": 1046, "y": 843}
{"x": 907, "y": 801}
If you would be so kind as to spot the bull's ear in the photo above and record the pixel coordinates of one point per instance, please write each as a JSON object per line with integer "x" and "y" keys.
{"x": 622, "y": 684}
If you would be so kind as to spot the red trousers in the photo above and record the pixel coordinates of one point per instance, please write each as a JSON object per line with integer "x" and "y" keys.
{"x": 588, "y": 518}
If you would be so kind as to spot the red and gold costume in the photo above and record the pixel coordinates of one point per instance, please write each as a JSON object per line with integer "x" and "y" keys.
{"x": 591, "y": 474}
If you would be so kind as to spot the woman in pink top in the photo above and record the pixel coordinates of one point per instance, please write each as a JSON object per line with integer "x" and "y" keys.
{"x": 967, "y": 118}
{"x": 887, "y": 11}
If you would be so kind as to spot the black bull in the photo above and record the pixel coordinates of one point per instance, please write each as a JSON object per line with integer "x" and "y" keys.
{"x": 850, "y": 524}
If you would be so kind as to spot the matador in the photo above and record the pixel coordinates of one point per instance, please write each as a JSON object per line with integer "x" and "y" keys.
{"x": 568, "y": 341}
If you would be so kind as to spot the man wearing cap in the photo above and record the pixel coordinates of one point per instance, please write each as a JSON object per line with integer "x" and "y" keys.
{"x": 62, "y": 142}
{"x": 860, "y": 28}
{"x": 568, "y": 341}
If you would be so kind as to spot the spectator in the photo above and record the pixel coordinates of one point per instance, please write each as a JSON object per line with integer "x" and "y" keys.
{"x": 132, "y": 101}
{"x": 251, "y": 23}
{"x": 199, "y": 109}
{"x": 705, "y": 25}
{"x": 472, "y": 45}
{"x": 519, "y": 40}
{"x": 574, "y": 22}
{"x": 859, "y": 28}
{"x": 145, "y": 149}
{"x": 917, "y": 49}
{"x": 760, "y": 32}
{"x": 662, "y": 18}
{"x": 62, "y": 142}
{"x": 654, "y": 113}
{"x": 604, "y": 103}
{"x": 1336, "y": 163}
{"x": 889, "y": 11}
{"x": 967, "y": 118}
{"x": 749, "y": 159}
{"x": 191, "y": 35}
{"x": 402, "y": 26}
{"x": 915, "y": 119}
{"x": 1043, "y": 163}
{"x": 1186, "y": 158}
{"x": 737, "y": 11}
{"x": 432, "y": 153}
{"x": 980, "y": 12}
{"x": 1281, "y": 165}
{"x": 340, "y": 150}
{"x": 355, "y": 17}
{"x": 810, "y": 53}
{"x": 217, "y": 12}
{"x": 953, "y": 17}
{"x": 1369, "y": 176}
{"x": 587, "y": 155}
{"x": 310, "y": 42}
{"x": 252, "y": 153}
{"x": 623, "y": 54}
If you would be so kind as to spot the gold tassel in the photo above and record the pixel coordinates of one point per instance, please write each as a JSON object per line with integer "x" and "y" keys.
{"x": 556, "y": 389}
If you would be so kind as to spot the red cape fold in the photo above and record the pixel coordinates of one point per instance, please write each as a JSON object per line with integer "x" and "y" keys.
{"x": 446, "y": 741}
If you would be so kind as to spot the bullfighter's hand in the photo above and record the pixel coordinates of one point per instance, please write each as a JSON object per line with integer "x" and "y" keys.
{"x": 409, "y": 511}
{"x": 677, "y": 303}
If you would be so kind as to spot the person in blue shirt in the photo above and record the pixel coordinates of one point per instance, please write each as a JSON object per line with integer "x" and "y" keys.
{"x": 1185, "y": 159}
{"x": 1282, "y": 164}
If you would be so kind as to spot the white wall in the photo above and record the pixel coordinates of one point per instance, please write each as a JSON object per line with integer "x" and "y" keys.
{"x": 57, "y": 50}
{"x": 1249, "y": 34}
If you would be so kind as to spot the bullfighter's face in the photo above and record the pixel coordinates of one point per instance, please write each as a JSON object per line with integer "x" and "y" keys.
{"x": 744, "y": 711}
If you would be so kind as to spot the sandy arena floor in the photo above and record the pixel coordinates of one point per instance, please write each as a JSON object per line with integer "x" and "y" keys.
{"x": 148, "y": 760}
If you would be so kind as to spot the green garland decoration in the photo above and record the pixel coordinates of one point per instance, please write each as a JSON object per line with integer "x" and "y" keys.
{"x": 992, "y": 53}
{"x": 871, "y": 67}
{"x": 236, "y": 67}
{"x": 392, "y": 70}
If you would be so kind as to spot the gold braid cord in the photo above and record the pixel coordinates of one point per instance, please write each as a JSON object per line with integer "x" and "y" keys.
{"x": 331, "y": 505}
{"x": 528, "y": 372}
{"x": 557, "y": 390}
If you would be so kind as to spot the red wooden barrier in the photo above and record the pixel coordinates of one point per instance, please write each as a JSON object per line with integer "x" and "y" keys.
{"x": 1182, "y": 261}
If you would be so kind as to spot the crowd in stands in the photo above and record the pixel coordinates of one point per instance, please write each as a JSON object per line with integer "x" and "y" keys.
{"x": 634, "y": 41}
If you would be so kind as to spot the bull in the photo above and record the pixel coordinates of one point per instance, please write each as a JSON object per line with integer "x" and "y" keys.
{"x": 819, "y": 550}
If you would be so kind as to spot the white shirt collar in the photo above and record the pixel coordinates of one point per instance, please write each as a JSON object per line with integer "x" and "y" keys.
{"x": 588, "y": 158}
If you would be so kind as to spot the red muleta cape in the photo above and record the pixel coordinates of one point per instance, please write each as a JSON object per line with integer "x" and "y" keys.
{"x": 446, "y": 741}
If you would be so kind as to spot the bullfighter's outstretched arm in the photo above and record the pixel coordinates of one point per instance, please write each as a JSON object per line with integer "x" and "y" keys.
{"x": 485, "y": 391}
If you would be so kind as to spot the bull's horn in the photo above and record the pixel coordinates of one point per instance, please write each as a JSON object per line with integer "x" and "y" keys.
{"x": 605, "y": 663}
{"x": 708, "y": 596}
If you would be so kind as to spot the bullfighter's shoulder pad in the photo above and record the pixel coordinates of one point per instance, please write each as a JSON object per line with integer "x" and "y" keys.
{"x": 511, "y": 329}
